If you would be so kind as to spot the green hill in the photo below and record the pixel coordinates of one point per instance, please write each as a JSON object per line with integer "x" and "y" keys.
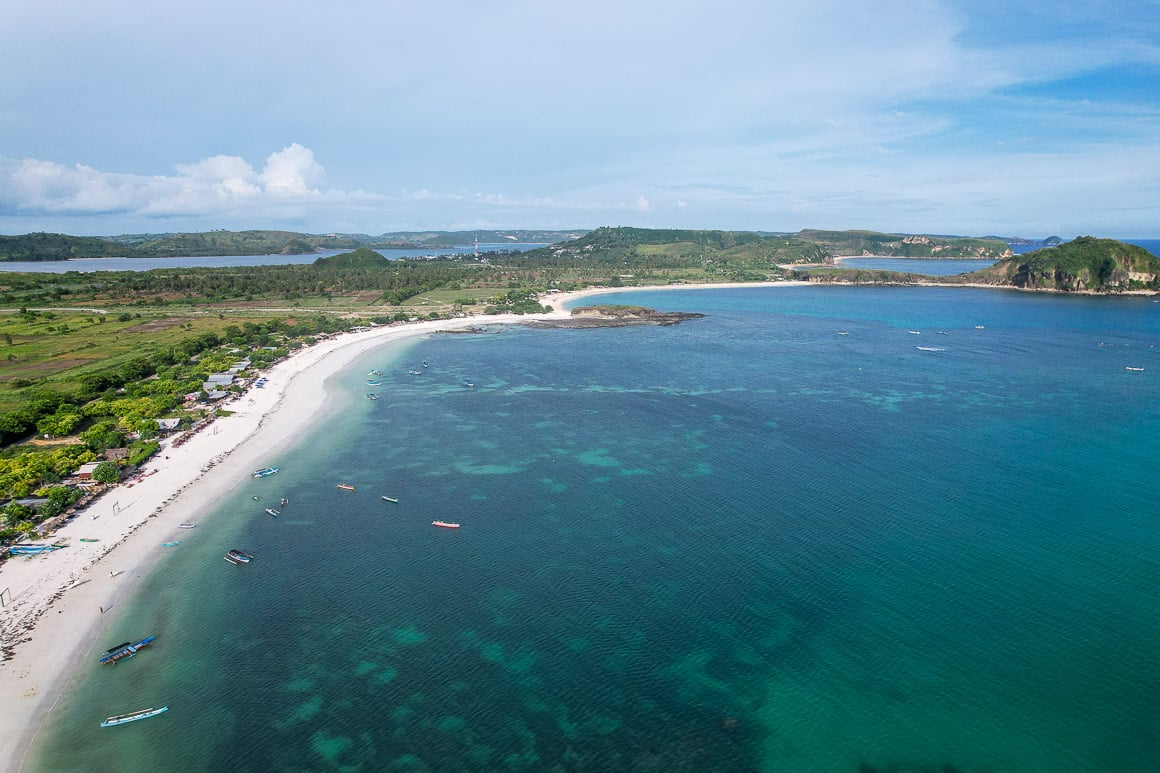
{"x": 872, "y": 243}
{"x": 44, "y": 246}
{"x": 363, "y": 257}
{"x": 1085, "y": 264}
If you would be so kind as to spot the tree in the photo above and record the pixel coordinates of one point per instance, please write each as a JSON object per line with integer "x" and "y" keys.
{"x": 106, "y": 472}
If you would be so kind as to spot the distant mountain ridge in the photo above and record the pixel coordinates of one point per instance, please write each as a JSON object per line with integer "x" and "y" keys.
{"x": 45, "y": 246}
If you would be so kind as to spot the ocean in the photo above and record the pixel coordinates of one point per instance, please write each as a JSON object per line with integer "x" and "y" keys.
{"x": 791, "y": 536}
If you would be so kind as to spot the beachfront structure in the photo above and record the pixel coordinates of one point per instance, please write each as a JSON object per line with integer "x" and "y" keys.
{"x": 168, "y": 425}
{"x": 85, "y": 471}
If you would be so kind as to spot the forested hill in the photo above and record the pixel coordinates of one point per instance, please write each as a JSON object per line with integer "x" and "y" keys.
{"x": 872, "y": 243}
{"x": 42, "y": 246}
{"x": 1083, "y": 264}
{"x": 45, "y": 246}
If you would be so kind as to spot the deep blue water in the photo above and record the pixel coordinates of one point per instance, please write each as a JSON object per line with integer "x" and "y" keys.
{"x": 745, "y": 542}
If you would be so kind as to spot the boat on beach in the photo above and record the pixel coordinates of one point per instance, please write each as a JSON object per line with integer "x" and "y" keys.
{"x": 235, "y": 556}
{"x": 89, "y": 539}
{"x": 445, "y": 524}
{"x": 32, "y": 550}
{"x": 391, "y": 499}
{"x": 265, "y": 472}
{"x": 346, "y": 487}
{"x": 125, "y": 650}
{"x": 121, "y": 719}
{"x": 187, "y": 525}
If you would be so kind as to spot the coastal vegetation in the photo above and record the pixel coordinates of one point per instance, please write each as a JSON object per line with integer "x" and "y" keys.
{"x": 94, "y": 360}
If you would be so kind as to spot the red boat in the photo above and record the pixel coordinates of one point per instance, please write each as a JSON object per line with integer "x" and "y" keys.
{"x": 445, "y": 524}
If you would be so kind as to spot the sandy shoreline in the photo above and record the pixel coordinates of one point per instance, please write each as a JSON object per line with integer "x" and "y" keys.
{"x": 54, "y": 617}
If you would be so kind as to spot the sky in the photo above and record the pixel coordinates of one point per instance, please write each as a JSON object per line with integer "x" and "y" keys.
{"x": 969, "y": 117}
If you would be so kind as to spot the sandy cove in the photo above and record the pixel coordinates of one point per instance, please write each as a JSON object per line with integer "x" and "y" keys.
{"x": 55, "y": 618}
{"x": 52, "y": 625}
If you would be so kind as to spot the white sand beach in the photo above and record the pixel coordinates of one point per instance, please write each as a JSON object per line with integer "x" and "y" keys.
{"x": 55, "y": 603}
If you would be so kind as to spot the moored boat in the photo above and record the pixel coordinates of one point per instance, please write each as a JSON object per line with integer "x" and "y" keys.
{"x": 239, "y": 557}
{"x": 265, "y": 472}
{"x": 445, "y": 524}
{"x": 346, "y": 487}
{"x": 126, "y": 650}
{"x": 1134, "y": 370}
{"x": 469, "y": 384}
{"x": 187, "y": 525}
{"x": 170, "y": 544}
{"x": 121, "y": 719}
{"x": 273, "y": 512}
{"x": 391, "y": 499}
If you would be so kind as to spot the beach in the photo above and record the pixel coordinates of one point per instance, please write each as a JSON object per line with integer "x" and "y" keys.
{"x": 54, "y": 604}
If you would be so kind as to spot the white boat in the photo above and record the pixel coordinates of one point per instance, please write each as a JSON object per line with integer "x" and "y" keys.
{"x": 391, "y": 499}
{"x": 1134, "y": 370}
{"x": 187, "y": 525}
{"x": 121, "y": 719}
{"x": 930, "y": 348}
{"x": 265, "y": 472}
{"x": 273, "y": 512}
{"x": 914, "y": 332}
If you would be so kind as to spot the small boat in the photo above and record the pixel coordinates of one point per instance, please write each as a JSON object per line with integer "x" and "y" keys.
{"x": 375, "y": 372}
{"x": 187, "y": 525}
{"x": 346, "y": 487}
{"x": 391, "y": 499}
{"x": 239, "y": 557}
{"x": 445, "y": 524}
{"x": 283, "y": 502}
{"x": 265, "y": 472}
{"x": 170, "y": 544}
{"x": 843, "y": 332}
{"x": 914, "y": 332}
{"x": 469, "y": 384}
{"x": 943, "y": 333}
{"x": 121, "y": 719}
{"x": 31, "y": 550}
{"x": 273, "y": 512}
{"x": 416, "y": 372}
{"x": 979, "y": 327}
{"x": 1126, "y": 367}
{"x": 125, "y": 650}
{"x": 89, "y": 539}
{"x": 424, "y": 363}
{"x": 371, "y": 396}
{"x": 374, "y": 383}
{"x": 930, "y": 348}
{"x": 256, "y": 499}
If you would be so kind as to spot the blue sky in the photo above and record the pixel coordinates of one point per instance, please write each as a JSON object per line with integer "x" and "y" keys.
{"x": 918, "y": 116}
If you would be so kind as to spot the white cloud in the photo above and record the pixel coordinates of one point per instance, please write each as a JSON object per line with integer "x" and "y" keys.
{"x": 642, "y": 204}
{"x": 291, "y": 171}
{"x": 217, "y": 184}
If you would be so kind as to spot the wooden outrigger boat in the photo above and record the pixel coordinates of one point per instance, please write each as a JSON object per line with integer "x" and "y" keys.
{"x": 121, "y": 719}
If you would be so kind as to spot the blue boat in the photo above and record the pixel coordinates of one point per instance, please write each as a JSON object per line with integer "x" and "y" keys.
{"x": 32, "y": 550}
{"x": 126, "y": 650}
{"x": 121, "y": 719}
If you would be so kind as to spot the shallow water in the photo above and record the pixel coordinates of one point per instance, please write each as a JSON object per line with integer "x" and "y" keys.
{"x": 744, "y": 542}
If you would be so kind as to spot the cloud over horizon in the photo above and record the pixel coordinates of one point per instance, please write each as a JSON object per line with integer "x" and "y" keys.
{"x": 734, "y": 114}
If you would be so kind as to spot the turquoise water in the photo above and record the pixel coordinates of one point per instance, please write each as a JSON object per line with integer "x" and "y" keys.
{"x": 742, "y": 543}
